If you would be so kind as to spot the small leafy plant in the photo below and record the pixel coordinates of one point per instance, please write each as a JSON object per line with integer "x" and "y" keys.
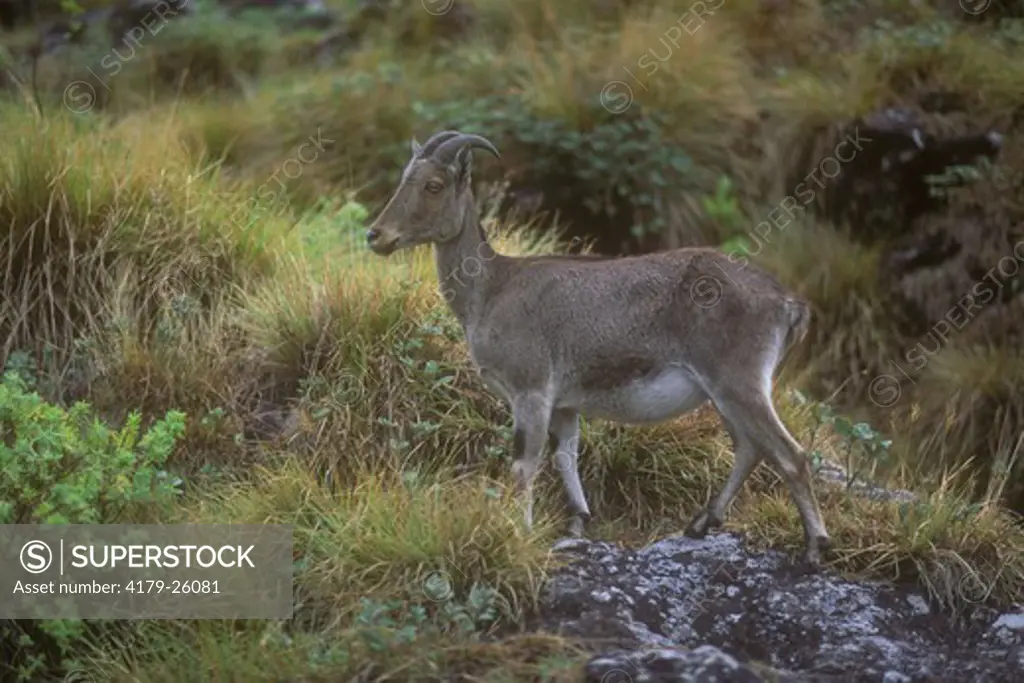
{"x": 62, "y": 466}
{"x": 863, "y": 446}
{"x": 382, "y": 625}
{"x": 722, "y": 206}
{"x": 66, "y": 467}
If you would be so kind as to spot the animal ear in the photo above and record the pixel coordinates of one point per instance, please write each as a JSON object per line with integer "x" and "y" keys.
{"x": 462, "y": 165}
{"x": 415, "y": 146}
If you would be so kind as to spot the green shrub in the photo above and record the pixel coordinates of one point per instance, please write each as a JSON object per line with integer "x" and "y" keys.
{"x": 66, "y": 467}
{"x": 62, "y": 466}
{"x": 620, "y": 162}
{"x": 208, "y": 51}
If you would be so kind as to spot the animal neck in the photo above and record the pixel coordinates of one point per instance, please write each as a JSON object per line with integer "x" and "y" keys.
{"x": 465, "y": 265}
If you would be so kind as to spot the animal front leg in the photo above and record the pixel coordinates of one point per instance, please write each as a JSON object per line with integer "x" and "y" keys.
{"x": 531, "y": 414}
{"x": 564, "y": 435}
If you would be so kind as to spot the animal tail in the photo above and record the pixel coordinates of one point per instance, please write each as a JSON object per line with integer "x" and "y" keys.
{"x": 799, "y": 313}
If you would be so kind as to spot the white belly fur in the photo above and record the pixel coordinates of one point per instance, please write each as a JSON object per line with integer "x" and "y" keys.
{"x": 656, "y": 398}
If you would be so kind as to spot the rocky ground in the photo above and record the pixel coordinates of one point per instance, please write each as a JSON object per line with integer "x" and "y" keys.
{"x": 709, "y": 610}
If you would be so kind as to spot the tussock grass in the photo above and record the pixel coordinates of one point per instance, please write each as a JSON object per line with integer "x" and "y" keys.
{"x": 969, "y": 412}
{"x": 963, "y": 554}
{"x": 955, "y": 64}
{"x": 386, "y": 538}
{"x": 196, "y": 58}
{"x": 385, "y": 535}
{"x": 219, "y": 654}
{"x": 122, "y": 266}
{"x": 89, "y": 212}
{"x": 329, "y": 388}
{"x": 776, "y": 33}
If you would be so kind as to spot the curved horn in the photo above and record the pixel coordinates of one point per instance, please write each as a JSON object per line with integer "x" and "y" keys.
{"x": 446, "y": 152}
{"x": 436, "y": 139}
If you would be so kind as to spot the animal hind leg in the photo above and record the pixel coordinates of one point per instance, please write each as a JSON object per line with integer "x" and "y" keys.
{"x": 791, "y": 459}
{"x": 747, "y": 458}
{"x": 564, "y": 436}
{"x": 753, "y": 409}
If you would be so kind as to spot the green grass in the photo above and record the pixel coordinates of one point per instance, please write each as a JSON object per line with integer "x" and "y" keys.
{"x": 330, "y": 389}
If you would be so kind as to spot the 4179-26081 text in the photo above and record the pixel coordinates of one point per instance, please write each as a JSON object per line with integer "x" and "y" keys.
{"x": 116, "y": 588}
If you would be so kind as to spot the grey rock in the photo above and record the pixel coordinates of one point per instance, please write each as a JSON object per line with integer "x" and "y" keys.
{"x": 895, "y": 677}
{"x": 1013, "y": 621}
{"x": 658, "y": 608}
{"x": 705, "y": 664}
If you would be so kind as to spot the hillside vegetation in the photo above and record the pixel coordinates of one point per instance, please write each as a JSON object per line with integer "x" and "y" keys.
{"x": 182, "y": 252}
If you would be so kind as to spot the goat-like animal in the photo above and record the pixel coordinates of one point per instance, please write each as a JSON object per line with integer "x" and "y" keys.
{"x": 638, "y": 339}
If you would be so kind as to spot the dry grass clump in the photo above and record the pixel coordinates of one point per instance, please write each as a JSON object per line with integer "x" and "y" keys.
{"x": 192, "y": 57}
{"x": 778, "y": 34}
{"x": 99, "y": 218}
{"x": 123, "y": 263}
{"x": 387, "y": 548}
{"x": 211, "y": 652}
{"x": 966, "y": 408}
{"x": 385, "y": 536}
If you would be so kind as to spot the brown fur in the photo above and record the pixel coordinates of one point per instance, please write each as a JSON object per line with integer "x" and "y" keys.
{"x": 636, "y": 339}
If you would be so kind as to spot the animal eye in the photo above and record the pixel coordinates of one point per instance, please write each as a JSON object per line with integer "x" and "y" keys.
{"x": 434, "y": 186}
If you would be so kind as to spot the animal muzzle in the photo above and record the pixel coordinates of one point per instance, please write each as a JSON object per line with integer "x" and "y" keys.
{"x": 380, "y": 241}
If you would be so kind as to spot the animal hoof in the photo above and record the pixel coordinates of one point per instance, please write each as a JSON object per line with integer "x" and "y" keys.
{"x": 824, "y": 543}
{"x": 691, "y": 532}
{"x": 569, "y": 544}
{"x": 815, "y": 548}
{"x": 576, "y": 527}
{"x": 699, "y": 526}
{"x": 810, "y": 564}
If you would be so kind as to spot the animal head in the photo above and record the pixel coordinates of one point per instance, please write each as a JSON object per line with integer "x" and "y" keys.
{"x": 433, "y": 195}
